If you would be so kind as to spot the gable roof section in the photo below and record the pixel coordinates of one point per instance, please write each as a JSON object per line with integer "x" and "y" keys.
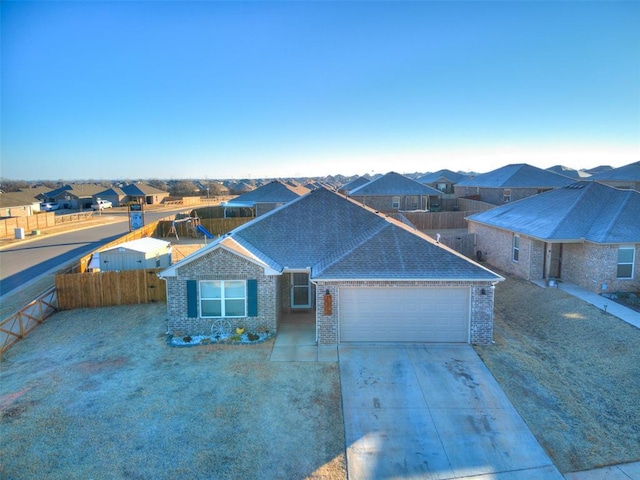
{"x": 581, "y": 211}
{"x": 393, "y": 184}
{"x": 353, "y": 184}
{"x": 453, "y": 177}
{"x": 272, "y": 192}
{"x": 518, "y": 175}
{"x": 336, "y": 238}
{"x": 629, "y": 172}
{"x": 141, "y": 189}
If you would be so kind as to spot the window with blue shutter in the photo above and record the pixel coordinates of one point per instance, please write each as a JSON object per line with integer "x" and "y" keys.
{"x": 192, "y": 298}
{"x": 252, "y": 298}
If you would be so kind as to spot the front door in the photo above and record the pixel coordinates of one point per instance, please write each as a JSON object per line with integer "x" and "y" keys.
{"x": 300, "y": 290}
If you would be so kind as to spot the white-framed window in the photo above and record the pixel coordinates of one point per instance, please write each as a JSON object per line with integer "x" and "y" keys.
{"x": 395, "y": 202}
{"x": 626, "y": 259}
{"x": 442, "y": 187}
{"x": 223, "y": 298}
{"x": 506, "y": 195}
{"x": 516, "y": 248}
{"x": 412, "y": 202}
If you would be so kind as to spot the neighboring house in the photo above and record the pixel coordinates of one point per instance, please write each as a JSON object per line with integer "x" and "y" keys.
{"x": 144, "y": 194}
{"x": 394, "y": 192}
{"x": 367, "y": 278}
{"x": 585, "y": 233}
{"x": 569, "y": 172}
{"x": 626, "y": 177}
{"x": 114, "y": 194}
{"x": 352, "y": 185}
{"x": 442, "y": 180}
{"x": 265, "y": 198}
{"x": 510, "y": 183}
{"x": 18, "y": 204}
{"x": 139, "y": 254}
{"x": 76, "y": 196}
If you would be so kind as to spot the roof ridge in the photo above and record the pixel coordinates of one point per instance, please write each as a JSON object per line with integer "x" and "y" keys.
{"x": 570, "y": 210}
{"x": 625, "y": 197}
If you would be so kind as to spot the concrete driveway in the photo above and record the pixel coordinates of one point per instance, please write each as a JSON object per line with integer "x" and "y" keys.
{"x": 432, "y": 412}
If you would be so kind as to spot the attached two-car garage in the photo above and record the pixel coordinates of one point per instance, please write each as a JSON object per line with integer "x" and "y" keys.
{"x": 404, "y": 314}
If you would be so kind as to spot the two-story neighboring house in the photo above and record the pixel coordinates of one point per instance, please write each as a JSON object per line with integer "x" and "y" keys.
{"x": 442, "y": 180}
{"x": 625, "y": 177}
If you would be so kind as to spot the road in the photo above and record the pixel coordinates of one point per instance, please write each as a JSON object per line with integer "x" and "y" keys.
{"x": 24, "y": 262}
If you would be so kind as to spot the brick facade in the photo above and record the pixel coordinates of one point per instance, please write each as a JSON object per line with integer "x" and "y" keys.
{"x": 481, "y": 309}
{"x": 588, "y": 265}
{"x": 221, "y": 265}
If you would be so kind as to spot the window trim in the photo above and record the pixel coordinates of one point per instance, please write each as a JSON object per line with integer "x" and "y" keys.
{"x": 395, "y": 202}
{"x": 506, "y": 195}
{"x": 515, "y": 254}
{"x": 223, "y": 298}
{"x": 632, "y": 263}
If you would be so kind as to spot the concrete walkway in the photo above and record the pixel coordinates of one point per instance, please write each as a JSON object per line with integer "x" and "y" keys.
{"x": 296, "y": 341}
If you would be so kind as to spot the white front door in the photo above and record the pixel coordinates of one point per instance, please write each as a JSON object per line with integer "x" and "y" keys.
{"x": 300, "y": 290}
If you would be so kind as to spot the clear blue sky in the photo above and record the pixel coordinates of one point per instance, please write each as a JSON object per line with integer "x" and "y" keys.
{"x": 105, "y": 90}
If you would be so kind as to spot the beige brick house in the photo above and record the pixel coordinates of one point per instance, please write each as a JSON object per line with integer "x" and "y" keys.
{"x": 585, "y": 233}
{"x": 364, "y": 276}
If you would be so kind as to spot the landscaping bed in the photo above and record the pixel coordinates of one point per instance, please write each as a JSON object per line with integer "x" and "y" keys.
{"x": 98, "y": 393}
{"x": 571, "y": 370}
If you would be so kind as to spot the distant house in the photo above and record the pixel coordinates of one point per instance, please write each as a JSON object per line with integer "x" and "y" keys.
{"x": 510, "y": 183}
{"x": 265, "y": 198}
{"x": 569, "y": 172}
{"x": 365, "y": 277}
{"x": 625, "y": 177}
{"x": 442, "y": 180}
{"x": 352, "y": 185}
{"x": 393, "y": 192}
{"x": 76, "y": 195}
{"x": 585, "y": 233}
{"x": 114, "y": 194}
{"x": 18, "y": 204}
{"x": 144, "y": 194}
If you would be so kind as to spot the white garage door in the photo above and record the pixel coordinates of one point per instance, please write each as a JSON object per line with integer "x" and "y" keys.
{"x": 404, "y": 315}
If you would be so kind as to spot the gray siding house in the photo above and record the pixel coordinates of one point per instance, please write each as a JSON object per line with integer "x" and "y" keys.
{"x": 585, "y": 233}
{"x": 366, "y": 278}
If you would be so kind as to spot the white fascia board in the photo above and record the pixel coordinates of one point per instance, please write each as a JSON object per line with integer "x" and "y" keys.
{"x": 471, "y": 280}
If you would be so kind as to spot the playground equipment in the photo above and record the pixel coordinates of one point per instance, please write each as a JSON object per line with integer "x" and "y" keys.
{"x": 204, "y": 231}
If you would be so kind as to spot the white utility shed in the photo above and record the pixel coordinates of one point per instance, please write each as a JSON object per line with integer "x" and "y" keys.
{"x": 136, "y": 255}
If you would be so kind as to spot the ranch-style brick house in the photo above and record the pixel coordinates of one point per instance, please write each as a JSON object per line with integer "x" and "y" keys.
{"x": 367, "y": 278}
{"x": 585, "y": 233}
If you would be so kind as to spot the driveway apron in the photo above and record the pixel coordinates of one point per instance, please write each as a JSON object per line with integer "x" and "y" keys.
{"x": 432, "y": 412}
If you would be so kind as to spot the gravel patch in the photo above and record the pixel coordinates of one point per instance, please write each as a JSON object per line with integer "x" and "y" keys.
{"x": 98, "y": 393}
{"x": 571, "y": 370}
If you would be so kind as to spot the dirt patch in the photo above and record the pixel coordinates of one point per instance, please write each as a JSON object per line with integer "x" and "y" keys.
{"x": 98, "y": 393}
{"x": 572, "y": 371}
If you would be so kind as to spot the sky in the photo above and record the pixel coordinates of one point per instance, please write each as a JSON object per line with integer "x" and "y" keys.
{"x": 207, "y": 89}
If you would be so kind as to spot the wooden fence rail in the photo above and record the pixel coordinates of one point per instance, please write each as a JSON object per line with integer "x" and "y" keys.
{"x": 16, "y": 326}
{"x": 105, "y": 289}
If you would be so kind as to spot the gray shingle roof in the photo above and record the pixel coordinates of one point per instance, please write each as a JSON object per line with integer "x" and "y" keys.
{"x": 453, "y": 177}
{"x": 337, "y": 238}
{"x": 272, "y": 192}
{"x": 629, "y": 172}
{"x": 394, "y": 184}
{"x": 581, "y": 211}
{"x": 140, "y": 189}
{"x": 353, "y": 184}
{"x": 518, "y": 175}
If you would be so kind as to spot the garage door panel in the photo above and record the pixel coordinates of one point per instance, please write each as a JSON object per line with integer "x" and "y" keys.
{"x": 404, "y": 314}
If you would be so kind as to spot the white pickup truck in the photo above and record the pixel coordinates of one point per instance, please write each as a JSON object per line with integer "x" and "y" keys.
{"x": 101, "y": 205}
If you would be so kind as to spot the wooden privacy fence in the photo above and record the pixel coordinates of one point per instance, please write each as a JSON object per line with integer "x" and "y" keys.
{"x": 105, "y": 289}
{"x": 216, "y": 226}
{"x": 16, "y": 326}
{"x": 437, "y": 220}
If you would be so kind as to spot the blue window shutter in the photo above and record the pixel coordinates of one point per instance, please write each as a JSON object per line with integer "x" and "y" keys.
{"x": 252, "y": 298}
{"x": 192, "y": 298}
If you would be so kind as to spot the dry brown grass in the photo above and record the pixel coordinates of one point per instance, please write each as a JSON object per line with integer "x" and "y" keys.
{"x": 572, "y": 371}
{"x": 97, "y": 393}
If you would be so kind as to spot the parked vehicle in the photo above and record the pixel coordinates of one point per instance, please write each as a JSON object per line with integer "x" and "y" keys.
{"x": 101, "y": 205}
{"x": 49, "y": 206}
